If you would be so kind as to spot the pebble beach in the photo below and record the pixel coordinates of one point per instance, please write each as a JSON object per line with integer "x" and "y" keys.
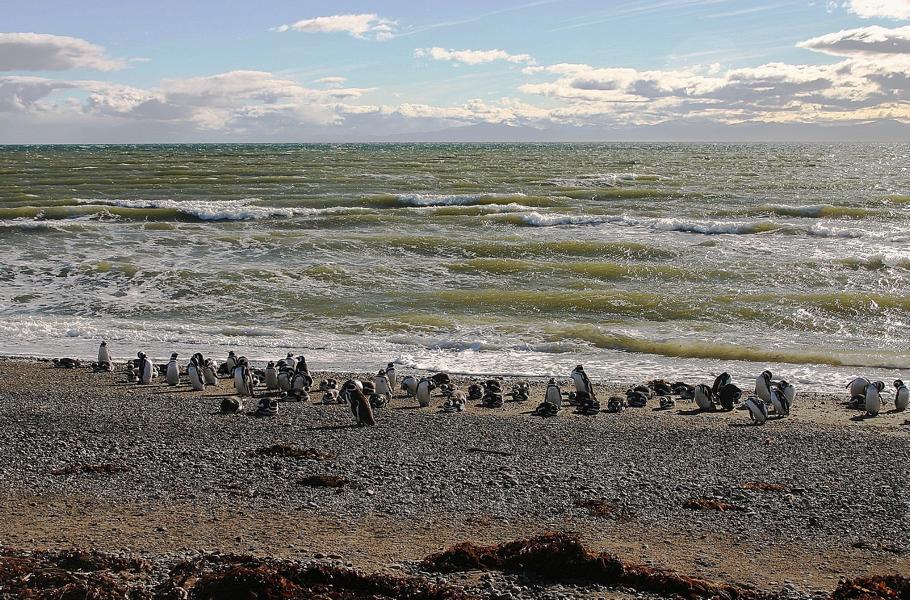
{"x": 789, "y": 507}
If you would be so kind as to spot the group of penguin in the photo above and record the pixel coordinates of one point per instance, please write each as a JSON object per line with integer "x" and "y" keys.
{"x": 290, "y": 377}
{"x": 866, "y": 395}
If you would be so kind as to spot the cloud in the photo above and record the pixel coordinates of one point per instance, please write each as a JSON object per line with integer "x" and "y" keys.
{"x": 872, "y": 41}
{"x": 361, "y": 26}
{"x": 472, "y": 57}
{"x": 333, "y": 82}
{"x": 46, "y": 52}
{"x": 887, "y": 9}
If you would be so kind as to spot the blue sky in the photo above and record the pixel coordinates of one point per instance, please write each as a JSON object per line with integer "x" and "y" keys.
{"x": 262, "y": 71}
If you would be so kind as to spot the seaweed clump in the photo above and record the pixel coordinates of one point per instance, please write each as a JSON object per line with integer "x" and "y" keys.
{"x": 562, "y": 557}
{"x": 891, "y": 587}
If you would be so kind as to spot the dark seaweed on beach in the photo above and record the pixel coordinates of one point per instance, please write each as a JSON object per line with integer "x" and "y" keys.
{"x": 330, "y": 481}
{"x": 86, "y": 468}
{"x": 290, "y": 451}
{"x": 599, "y": 507}
{"x": 892, "y": 587}
{"x": 562, "y": 557}
{"x": 763, "y": 486}
{"x": 712, "y": 504}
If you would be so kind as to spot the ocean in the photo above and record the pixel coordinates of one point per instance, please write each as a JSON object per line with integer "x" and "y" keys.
{"x": 637, "y": 260}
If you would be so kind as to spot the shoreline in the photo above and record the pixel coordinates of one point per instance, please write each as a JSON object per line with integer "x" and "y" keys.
{"x": 188, "y": 479}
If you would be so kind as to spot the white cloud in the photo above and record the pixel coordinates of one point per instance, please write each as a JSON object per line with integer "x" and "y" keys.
{"x": 872, "y": 41}
{"x": 332, "y": 82}
{"x": 362, "y": 26}
{"x": 472, "y": 57}
{"x": 46, "y": 52}
{"x": 888, "y": 9}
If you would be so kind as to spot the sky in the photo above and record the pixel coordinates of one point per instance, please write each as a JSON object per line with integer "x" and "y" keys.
{"x": 133, "y": 71}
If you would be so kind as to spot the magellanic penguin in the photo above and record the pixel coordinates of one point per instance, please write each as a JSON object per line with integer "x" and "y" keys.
{"x": 231, "y": 362}
{"x": 391, "y": 374}
{"x": 424, "y": 387}
{"x": 285, "y": 379}
{"x": 104, "y": 355}
{"x": 146, "y": 369}
{"x": 291, "y": 362}
{"x": 383, "y": 384}
{"x": 581, "y": 381}
{"x": 874, "y": 398}
{"x": 271, "y": 377}
{"x": 780, "y": 402}
{"x": 758, "y": 410}
{"x": 703, "y": 397}
{"x": 173, "y": 371}
{"x": 194, "y": 374}
{"x": 553, "y": 394}
{"x": 763, "y": 386}
{"x": 243, "y": 378}
{"x": 858, "y": 386}
{"x": 901, "y": 395}
{"x": 210, "y": 371}
{"x": 788, "y": 390}
{"x": 409, "y": 386}
{"x": 361, "y": 407}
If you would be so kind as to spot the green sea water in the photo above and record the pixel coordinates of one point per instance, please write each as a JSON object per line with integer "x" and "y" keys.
{"x": 639, "y": 260}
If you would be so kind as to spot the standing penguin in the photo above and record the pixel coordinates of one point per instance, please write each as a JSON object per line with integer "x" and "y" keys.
{"x": 553, "y": 394}
{"x": 582, "y": 383}
{"x": 703, "y": 397}
{"x": 858, "y": 387}
{"x": 361, "y": 407}
{"x": 301, "y": 382}
{"x": 146, "y": 369}
{"x": 391, "y": 374}
{"x": 874, "y": 398}
{"x": 409, "y": 385}
{"x": 285, "y": 377}
{"x": 763, "y": 386}
{"x": 231, "y": 362}
{"x": 424, "y": 387}
{"x": 383, "y": 384}
{"x": 780, "y": 402}
{"x": 173, "y": 371}
{"x": 758, "y": 410}
{"x": 291, "y": 362}
{"x": 194, "y": 374}
{"x": 104, "y": 355}
{"x": 210, "y": 371}
{"x": 788, "y": 390}
{"x": 901, "y": 395}
{"x": 243, "y": 378}
{"x": 271, "y": 377}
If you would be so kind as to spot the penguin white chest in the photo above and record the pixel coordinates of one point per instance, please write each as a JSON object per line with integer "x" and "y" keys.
{"x": 554, "y": 395}
{"x": 173, "y": 373}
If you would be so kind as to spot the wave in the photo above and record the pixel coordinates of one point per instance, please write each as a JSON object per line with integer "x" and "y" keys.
{"x": 436, "y": 200}
{"x": 600, "y": 179}
{"x": 719, "y": 351}
{"x": 876, "y": 262}
{"x": 625, "y": 193}
{"x": 812, "y": 211}
{"x": 595, "y": 270}
{"x": 536, "y": 219}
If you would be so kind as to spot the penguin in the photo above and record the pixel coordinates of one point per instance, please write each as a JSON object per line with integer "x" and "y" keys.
{"x": 285, "y": 379}
{"x": 268, "y": 407}
{"x": 210, "y": 371}
{"x": 582, "y": 383}
{"x": 361, "y": 407}
{"x": 243, "y": 378}
{"x": 703, "y": 397}
{"x": 424, "y": 387}
{"x": 684, "y": 390}
{"x": 729, "y": 395}
{"x": 300, "y": 385}
{"x": 409, "y": 385}
{"x": 788, "y": 390}
{"x": 553, "y": 394}
{"x": 666, "y": 402}
{"x": 763, "y": 386}
{"x": 231, "y": 405}
{"x": 616, "y": 404}
{"x": 146, "y": 369}
{"x": 901, "y": 395}
{"x": 475, "y": 391}
{"x": 231, "y": 362}
{"x": 104, "y": 355}
{"x": 383, "y": 384}
{"x": 780, "y": 402}
{"x": 194, "y": 373}
{"x": 271, "y": 377}
{"x": 722, "y": 380}
{"x": 758, "y": 410}
{"x": 173, "y": 371}
{"x": 392, "y": 375}
{"x": 660, "y": 388}
{"x": 874, "y": 398}
{"x": 291, "y": 362}
{"x": 858, "y": 386}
